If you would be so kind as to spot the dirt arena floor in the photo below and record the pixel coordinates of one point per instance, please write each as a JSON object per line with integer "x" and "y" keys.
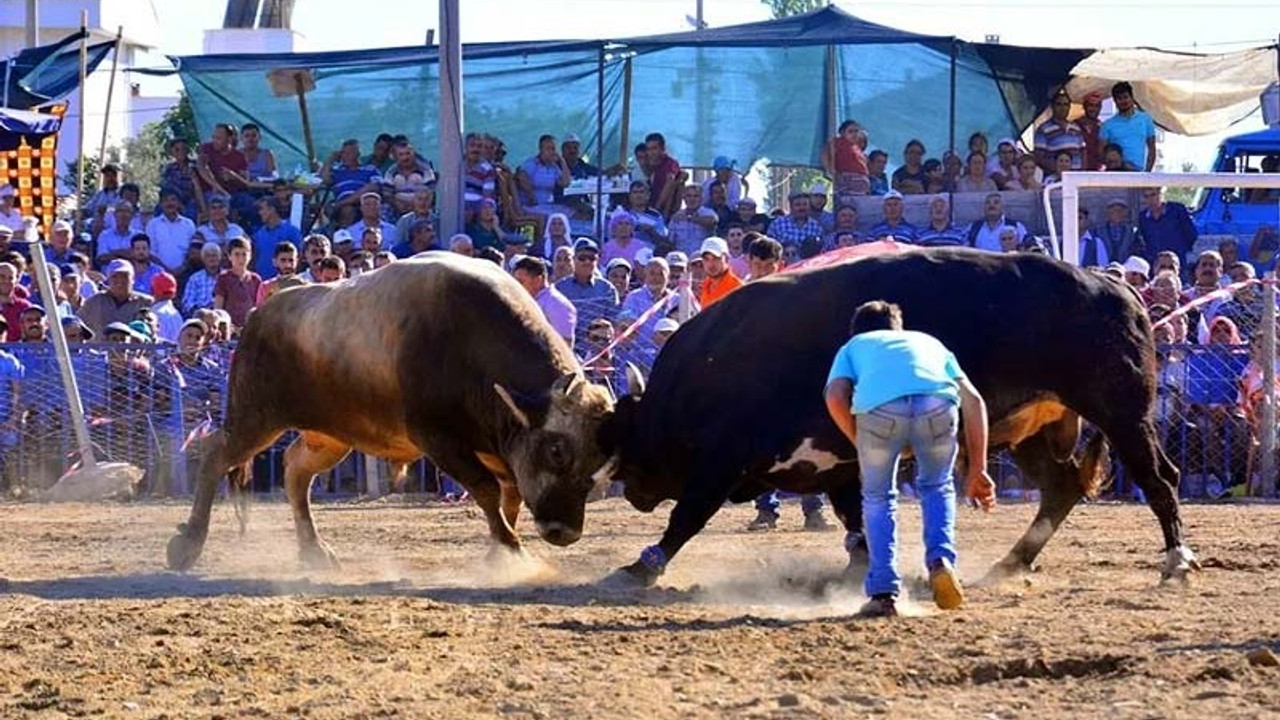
{"x": 418, "y": 625}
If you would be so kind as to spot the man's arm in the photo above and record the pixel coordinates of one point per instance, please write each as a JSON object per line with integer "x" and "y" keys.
{"x": 1151, "y": 152}
{"x": 839, "y": 397}
{"x": 979, "y": 486}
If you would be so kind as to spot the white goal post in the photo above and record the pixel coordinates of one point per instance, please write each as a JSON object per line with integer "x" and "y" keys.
{"x": 1073, "y": 180}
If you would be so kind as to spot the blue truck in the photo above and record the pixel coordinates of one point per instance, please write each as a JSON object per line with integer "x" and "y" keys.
{"x": 1240, "y": 212}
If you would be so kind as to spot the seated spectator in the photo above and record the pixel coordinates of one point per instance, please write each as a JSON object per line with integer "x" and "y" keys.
{"x": 479, "y": 177}
{"x": 751, "y": 220}
{"x": 180, "y": 176}
{"x": 666, "y": 176}
{"x": 170, "y": 232}
{"x": 284, "y": 258}
{"x": 719, "y": 204}
{"x": 1026, "y": 179}
{"x": 408, "y": 176}
{"x": 910, "y": 178}
{"x": 975, "y": 178}
{"x": 800, "y": 224}
{"x": 165, "y": 318}
{"x": 1009, "y": 242}
{"x": 332, "y": 269}
{"x": 273, "y": 231}
{"x": 846, "y": 221}
{"x": 1062, "y": 160}
{"x": 735, "y": 238}
{"x": 224, "y": 171}
{"x": 260, "y": 163}
{"x": 119, "y": 303}
{"x": 107, "y": 196}
{"x": 236, "y": 289}
{"x": 114, "y": 242}
{"x": 693, "y": 223}
{"x": 1136, "y": 273}
{"x": 764, "y": 257}
{"x": 818, "y": 207}
{"x": 383, "y": 258}
{"x": 198, "y": 291}
{"x": 219, "y": 228}
{"x": 561, "y": 263}
{"x": 623, "y": 242}
{"x": 359, "y": 263}
{"x": 877, "y": 160}
{"x": 58, "y": 251}
{"x": 952, "y": 169}
{"x": 935, "y": 179}
{"x": 653, "y": 290}
{"x": 484, "y": 230}
{"x": 556, "y": 235}
{"x": 649, "y": 223}
{"x": 371, "y": 216}
{"x": 462, "y": 245}
{"x": 1118, "y": 234}
{"x": 419, "y": 209}
{"x": 571, "y": 151}
{"x": 724, "y": 171}
{"x": 662, "y": 331}
{"x": 382, "y": 156}
{"x": 513, "y": 245}
{"x": 1229, "y": 249}
{"x": 593, "y": 296}
{"x": 844, "y": 158}
{"x": 1113, "y": 159}
{"x": 1263, "y": 249}
{"x": 1058, "y": 135}
{"x": 940, "y": 232}
{"x": 894, "y": 226}
{"x": 422, "y": 237}
{"x": 985, "y": 234}
{"x": 678, "y": 263}
{"x": 541, "y": 177}
{"x": 1003, "y": 168}
{"x": 347, "y": 177}
{"x": 618, "y": 272}
{"x": 145, "y": 266}
{"x": 1093, "y": 251}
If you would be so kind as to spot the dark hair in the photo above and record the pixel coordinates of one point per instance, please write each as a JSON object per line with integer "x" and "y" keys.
{"x": 130, "y": 187}
{"x": 875, "y": 315}
{"x": 638, "y": 184}
{"x": 877, "y": 153}
{"x": 932, "y": 164}
{"x": 169, "y": 192}
{"x": 544, "y": 138}
{"x": 284, "y": 247}
{"x": 973, "y": 155}
{"x": 1060, "y": 153}
{"x": 383, "y": 137}
{"x": 976, "y": 136}
{"x": 332, "y": 262}
{"x": 140, "y": 236}
{"x": 763, "y": 247}
{"x": 1112, "y": 146}
{"x": 655, "y": 137}
{"x": 1121, "y": 88}
{"x": 271, "y": 202}
{"x": 916, "y": 143}
{"x": 846, "y": 125}
{"x": 810, "y": 247}
{"x": 535, "y": 266}
{"x": 641, "y": 148}
{"x": 249, "y": 126}
{"x": 490, "y": 253}
{"x": 238, "y": 243}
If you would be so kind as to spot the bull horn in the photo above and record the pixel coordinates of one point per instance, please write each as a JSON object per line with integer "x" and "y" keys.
{"x": 635, "y": 380}
{"x": 520, "y": 415}
{"x": 565, "y": 384}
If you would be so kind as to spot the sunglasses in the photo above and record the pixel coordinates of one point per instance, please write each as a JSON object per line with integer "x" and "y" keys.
{"x": 584, "y": 258}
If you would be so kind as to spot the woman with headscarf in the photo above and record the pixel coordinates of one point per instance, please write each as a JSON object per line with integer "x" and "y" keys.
{"x": 556, "y": 235}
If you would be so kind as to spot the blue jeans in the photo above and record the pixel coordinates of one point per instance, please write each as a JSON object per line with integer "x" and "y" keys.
{"x": 926, "y": 423}
{"x": 768, "y": 502}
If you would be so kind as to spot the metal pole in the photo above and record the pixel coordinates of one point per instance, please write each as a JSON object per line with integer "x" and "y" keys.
{"x": 111, "y": 91}
{"x": 623, "y": 150}
{"x": 84, "y": 62}
{"x": 301, "y": 86}
{"x": 832, "y": 98}
{"x": 601, "y": 203}
{"x": 951, "y": 128}
{"x": 449, "y": 186}
{"x": 1070, "y": 220}
{"x": 33, "y": 23}
{"x": 1268, "y": 439}
{"x": 699, "y": 16}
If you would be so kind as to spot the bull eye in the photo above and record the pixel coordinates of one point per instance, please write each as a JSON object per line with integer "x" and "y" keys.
{"x": 556, "y": 453}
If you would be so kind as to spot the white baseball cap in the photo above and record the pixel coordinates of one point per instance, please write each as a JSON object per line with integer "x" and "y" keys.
{"x": 666, "y": 325}
{"x": 1136, "y": 264}
{"x": 714, "y": 245}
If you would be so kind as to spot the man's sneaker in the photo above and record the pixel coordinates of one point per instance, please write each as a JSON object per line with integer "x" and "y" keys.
{"x": 946, "y": 587}
{"x": 880, "y": 606}
{"x": 817, "y": 521}
{"x": 765, "y": 520}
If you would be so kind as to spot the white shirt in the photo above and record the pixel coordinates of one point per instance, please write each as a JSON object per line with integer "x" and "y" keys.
{"x": 170, "y": 320}
{"x": 212, "y": 235}
{"x": 170, "y": 239}
{"x": 13, "y": 221}
{"x": 988, "y": 238}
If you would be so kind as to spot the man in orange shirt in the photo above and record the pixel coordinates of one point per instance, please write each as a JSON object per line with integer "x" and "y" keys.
{"x": 719, "y": 280}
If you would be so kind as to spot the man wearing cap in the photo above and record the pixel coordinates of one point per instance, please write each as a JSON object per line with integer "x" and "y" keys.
{"x": 531, "y": 273}
{"x": 623, "y": 240}
{"x": 693, "y": 223}
{"x": 164, "y": 288}
{"x": 735, "y": 186}
{"x": 799, "y": 225}
{"x": 273, "y": 231}
{"x": 108, "y": 194}
{"x": 1058, "y": 134}
{"x": 1136, "y": 272}
{"x": 591, "y": 294}
{"x": 371, "y": 217}
{"x": 58, "y": 251}
{"x": 115, "y": 241}
{"x": 344, "y": 243}
{"x": 198, "y": 292}
{"x": 654, "y": 289}
{"x": 35, "y": 324}
{"x": 663, "y": 331}
{"x": 10, "y": 217}
{"x": 571, "y": 151}
{"x": 11, "y": 306}
{"x": 894, "y": 226}
{"x": 618, "y": 272}
{"x": 752, "y": 221}
{"x": 120, "y": 303}
{"x": 719, "y": 280}
{"x": 984, "y": 234}
{"x": 219, "y": 229}
{"x": 1130, "y": 128}
{"x": 818, "y": 194}
{"x": 678, "y": 265}
{"x": 171, "y": 232}
{"x": 1118, "y": 234}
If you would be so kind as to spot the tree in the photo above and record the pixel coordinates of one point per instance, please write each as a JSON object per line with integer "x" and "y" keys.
{"x": 1184, "y": 195}
{"x": 787, "y": 8}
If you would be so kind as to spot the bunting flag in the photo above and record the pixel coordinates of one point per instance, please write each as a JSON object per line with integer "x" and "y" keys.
{"x": 29, "y": 162}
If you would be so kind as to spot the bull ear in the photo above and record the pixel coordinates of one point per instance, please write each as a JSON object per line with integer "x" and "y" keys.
{"x": 520, "y": 415}
{"x": 635, "y": 380}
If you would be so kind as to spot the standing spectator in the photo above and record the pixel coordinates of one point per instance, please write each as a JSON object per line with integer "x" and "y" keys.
{"x": 693, "y": 223}
{"x": 179, "y": 175}
{"x": 666, "y": 173}
{"x": 591, "y": 294}
{"x": 736, "y": 239}
{"x": 724, "y": 171}
{"x": 224, "y": 171}
{"x": 719, "y": 280}
{"x": 1062, "y": 160}
{"x": 120, "y": 303}
{"x": 818, "y": 208}
{"x": 236, "y": 290}
{"x": 1027, "y": 179}
{"x": 114, "y": 241}
{"x": 332, "y": 269}
{"x": 888, "y": 389}
{"x": 198, "y": 292}
{"x": 622, "y": 241}
{"x": 846, "y": 222}
{"x": 10, "y": 217}
{"x": 940, "y": 232}
{"x": 799, "y": 225}
{"x": 556, "y": 235}
{"x": 648, "y": 222}
{"x": 845, "y": 160}
{"x": 171, "y": 232}
{"x": 764, "y": 257}
{"x": 1130, "y": 128}
{"x": 144, "y": 265}
{"x": 1165, "y": 226}
{"x": 11, "y": 306}
{"x": 407, "y": 177}
{"x": 531, "y": 273}
{"x": 751, "y": 220}
{"x": 479, "y": 178}
{"x": 975, "y": 178}
{"x": 219, "y": 228}
{"x": 105, "y": 198}
{"x": 893, "y": 226}
{"x": 1091, "y": 131}
{"x": 877, "y": 161}
{"x": 984, "y": 234}
{"x": 347, "y": 177}
{"x": 380, "y": 158}
{"x": 1113, "y": 159}
{"x": 460, "y": 244}
{"x": 59, "y": 250}
{"x": 273, "y": 231}
{"x": 164, "y": 288}
{"x": 1118, "y": 234}
{"x": 1136, "y": 273}
{"x": 285, "y": 259}
{"x": 719, "y": 204}
{"x": 1093, "y": 251}
{"x": 909, "y": 179}
{"x": 420, "y": 210}
{"x": 1058, "y": 134}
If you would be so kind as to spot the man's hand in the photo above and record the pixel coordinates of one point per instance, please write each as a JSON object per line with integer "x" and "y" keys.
{"x": 981, "y": 489}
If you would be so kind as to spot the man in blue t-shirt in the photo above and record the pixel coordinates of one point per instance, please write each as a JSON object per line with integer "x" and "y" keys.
{"x": 1130, "y": 128}
{"x": 888, "y": 389}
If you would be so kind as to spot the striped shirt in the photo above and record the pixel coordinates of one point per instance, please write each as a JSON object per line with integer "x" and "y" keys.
{"x": 789, "y": 232}
{"x": 199, "y": 291}
{"x": 1053, "y": 136}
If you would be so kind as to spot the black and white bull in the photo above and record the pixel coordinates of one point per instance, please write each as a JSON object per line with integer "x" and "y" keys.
{"x": 438, "y": 355}
{"x": 734, "y": 405}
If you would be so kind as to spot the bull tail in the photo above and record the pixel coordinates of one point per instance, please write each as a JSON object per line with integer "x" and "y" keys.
{"x": 1092, "y": 468}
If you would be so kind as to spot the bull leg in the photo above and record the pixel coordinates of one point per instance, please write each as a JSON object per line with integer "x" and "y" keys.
{"x": 238, "y": 487}
{"x": 307, "y": 456}
{"x": 1059, "y": 494}
{"x": 509, "y": 497}
{"x": 464, "y": 466}
{"x": 702, "y": 498}
{"x": 1140, "y": 451}
{"x": 224, "y": 452}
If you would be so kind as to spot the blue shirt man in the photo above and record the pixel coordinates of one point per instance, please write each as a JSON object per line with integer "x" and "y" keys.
{"x": 888, "y": 389}
{"x": 1130, "y": 128}
{"x": 591, "y": 294}
{"x": 1165, "y": 226}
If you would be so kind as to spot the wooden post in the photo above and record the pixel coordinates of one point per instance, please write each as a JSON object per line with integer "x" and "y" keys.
{"x": 111, "y": 91}
{"x": 84, "y": 62}
{"x": 306, "y": 119}
{"x": 623, "y": 150}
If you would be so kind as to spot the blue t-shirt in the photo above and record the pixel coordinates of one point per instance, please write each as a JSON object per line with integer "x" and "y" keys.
{"x": 347, "y": 180}
{"x": 10, "y": 371}
{"x": 885, "y": 365}
{"x": 265, "y": 240}
{"x": 1131, "y": 134}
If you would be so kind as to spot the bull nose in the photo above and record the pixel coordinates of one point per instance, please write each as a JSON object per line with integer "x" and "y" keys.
{"x": 557, "y": 533}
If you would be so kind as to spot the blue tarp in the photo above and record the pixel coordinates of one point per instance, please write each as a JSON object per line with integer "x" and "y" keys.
{"x": 41, "y": 75}
{"x": 20, "y": 122}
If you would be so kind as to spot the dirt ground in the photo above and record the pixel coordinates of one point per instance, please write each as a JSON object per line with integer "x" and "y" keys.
{"x": 418, "y": 625}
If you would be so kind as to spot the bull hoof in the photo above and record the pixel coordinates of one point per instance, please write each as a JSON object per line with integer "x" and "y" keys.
{"x": 320, "y": 557}
{"x": 635, "y": 575}
{"x": 1004, "y": 571}
{"x": 1179, "y": 563}
{"x": 499, "y": 554}
{"x": 183, "y": 551}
